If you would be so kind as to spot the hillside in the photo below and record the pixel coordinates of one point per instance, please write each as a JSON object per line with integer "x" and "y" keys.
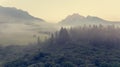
{"x": 11, "y": 14}
{"x": 75, "y": 48}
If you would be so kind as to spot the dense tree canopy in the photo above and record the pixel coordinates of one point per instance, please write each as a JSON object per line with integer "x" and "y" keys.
{"x": 89, "y": 46}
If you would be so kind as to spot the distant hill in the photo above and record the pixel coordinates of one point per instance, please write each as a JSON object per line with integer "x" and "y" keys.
{"x": 76, "y": 19}
{"x": 10, "y": 14}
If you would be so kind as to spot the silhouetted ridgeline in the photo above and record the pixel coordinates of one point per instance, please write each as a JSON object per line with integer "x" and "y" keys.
{"x": 88, "y": 46}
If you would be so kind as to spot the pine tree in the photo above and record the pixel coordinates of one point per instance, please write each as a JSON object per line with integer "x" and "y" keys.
{"x": 63, "y": 36}
{"x": 38, "y": 40}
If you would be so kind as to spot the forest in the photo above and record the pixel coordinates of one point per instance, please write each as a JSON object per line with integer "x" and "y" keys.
{"x": 82, "y": 46}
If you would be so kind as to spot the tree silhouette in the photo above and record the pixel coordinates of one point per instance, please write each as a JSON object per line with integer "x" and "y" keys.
{"x": 63, "y": 36}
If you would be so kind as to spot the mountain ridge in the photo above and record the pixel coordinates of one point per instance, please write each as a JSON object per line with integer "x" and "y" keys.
{"x": 12, "y": 14}
{"x": 76, "y": 18}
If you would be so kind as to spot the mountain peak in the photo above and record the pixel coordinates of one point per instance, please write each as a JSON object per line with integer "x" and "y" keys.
{"x": 73, "y": 18}
{"x": 78, "y": 19}
{"x": 15, "y": 15}
{"x": 76, "y": 16}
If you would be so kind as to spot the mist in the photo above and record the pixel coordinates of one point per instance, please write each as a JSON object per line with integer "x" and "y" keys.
{"x": 74, "y": 41}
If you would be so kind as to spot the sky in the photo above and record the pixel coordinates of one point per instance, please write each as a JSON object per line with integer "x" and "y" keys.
{"x": 56, "y": 10}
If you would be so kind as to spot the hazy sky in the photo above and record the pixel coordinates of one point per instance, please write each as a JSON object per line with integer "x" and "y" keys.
{"x": 56, "y": 10}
